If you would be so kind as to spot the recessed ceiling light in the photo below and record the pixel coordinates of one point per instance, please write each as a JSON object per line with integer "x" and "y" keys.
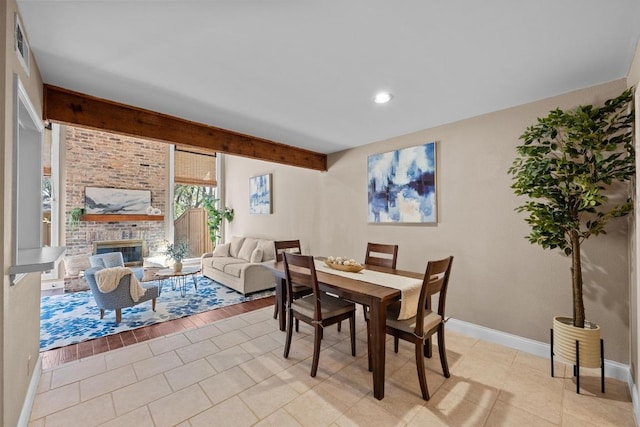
{"x": 382, "y": 97}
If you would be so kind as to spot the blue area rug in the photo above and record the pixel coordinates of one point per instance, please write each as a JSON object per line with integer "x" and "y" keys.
{"x": 74, "y": 317}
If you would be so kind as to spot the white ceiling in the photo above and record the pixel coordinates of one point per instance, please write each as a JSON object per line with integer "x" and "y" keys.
{"x": 304, "y": 72}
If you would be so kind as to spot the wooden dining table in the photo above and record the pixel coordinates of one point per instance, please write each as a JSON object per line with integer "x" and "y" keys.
{"x": 376, "y": 297}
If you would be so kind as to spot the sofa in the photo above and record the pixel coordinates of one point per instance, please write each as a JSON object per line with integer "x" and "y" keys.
{"x": 237, "y": 264}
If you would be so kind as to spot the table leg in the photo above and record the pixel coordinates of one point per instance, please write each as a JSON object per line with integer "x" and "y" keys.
{"x": 377, "y": 323}
{"x": 280, "y": 300}
{"x": 182, "y": 283}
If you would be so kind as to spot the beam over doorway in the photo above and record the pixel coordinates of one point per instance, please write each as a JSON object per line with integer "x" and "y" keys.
{"x": 77, "y": 109}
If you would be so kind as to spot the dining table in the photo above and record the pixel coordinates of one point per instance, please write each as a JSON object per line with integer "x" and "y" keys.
{"x": 354, "y": 288}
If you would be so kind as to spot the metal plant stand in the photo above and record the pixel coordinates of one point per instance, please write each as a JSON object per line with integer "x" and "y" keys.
{"x": 576, "y": 367}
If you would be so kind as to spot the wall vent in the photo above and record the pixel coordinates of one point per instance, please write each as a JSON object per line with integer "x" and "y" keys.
{"x": 22, "y": 47}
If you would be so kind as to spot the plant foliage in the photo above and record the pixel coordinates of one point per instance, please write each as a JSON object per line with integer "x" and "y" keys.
{"x": 177, "y": 251}
{"x": 567, "y": 166}
{"x": 215, "y": 216}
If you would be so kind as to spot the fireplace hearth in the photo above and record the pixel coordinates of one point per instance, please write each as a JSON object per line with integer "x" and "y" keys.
{"x": 132, "y": 250}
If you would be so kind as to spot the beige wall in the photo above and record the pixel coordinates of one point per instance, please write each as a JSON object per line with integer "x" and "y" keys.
{"x": 20, "y": 304}
{"x": 499, "y": 280}
{"x": 633, "y": 79}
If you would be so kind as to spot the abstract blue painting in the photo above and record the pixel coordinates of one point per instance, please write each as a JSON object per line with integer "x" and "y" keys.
{"x": 260, "y": 194}
{"x": 402, "y": 185}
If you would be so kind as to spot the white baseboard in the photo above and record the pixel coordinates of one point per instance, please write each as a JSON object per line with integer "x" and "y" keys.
{"x": 612, "y": 369}
{"x": 29, "y": 399}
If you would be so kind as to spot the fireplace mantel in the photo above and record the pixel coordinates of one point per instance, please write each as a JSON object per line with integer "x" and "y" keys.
{"x": 121, "y": 218}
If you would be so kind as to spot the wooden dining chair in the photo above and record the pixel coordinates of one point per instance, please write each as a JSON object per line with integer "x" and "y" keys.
{"x": 380, "y": 255}
{"x": 420, "y": 328}
{"x": 317, "y": 309}
{"x": 298, "y": 291}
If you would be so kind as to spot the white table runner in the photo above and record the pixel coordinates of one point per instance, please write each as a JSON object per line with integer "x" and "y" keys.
{"x": 409, "y": 288}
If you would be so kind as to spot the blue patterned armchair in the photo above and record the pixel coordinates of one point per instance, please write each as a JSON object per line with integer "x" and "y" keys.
{"x": 120, "y": 297}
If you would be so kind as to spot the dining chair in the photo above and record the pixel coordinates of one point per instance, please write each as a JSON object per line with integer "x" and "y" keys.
{"x": 380, "y": 255}
{"x": 317, "y": 309}
{"x": 420, "y": 328}
{"x": 298, "y": 291}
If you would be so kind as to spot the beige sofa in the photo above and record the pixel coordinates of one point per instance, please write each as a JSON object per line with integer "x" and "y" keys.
{"x": 237, "y": 264}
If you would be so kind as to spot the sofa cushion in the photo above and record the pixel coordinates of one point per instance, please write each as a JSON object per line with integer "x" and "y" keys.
{"x": 268, "y": 250}
{"x": 256, "y": 256}
{"x": 247, "y": 248}
{"x": 219, "y": 263}
{"x": 235, "y": 245}
{"x": 221, "y": 250}
{"x": 235, "y": 269}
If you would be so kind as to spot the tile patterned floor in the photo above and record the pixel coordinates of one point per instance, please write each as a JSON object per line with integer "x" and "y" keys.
{"x": 228, "y": 369}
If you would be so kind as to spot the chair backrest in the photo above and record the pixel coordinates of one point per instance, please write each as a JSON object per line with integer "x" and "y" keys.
{"x": 436, "y": 280}
{"x": 107, "y": 260}
{"x": 291, "y": 246}
{"x": 381, "y": 255}
{"x": 302, "y": 273}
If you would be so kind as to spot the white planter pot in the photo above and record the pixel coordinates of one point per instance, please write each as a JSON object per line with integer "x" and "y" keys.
{"x": 565, "y": 336}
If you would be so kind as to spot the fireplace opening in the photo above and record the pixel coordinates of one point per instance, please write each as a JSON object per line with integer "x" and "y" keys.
{"x": 132, "y": 250}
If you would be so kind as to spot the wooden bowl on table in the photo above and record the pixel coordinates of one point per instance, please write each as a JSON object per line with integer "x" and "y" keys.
{"x": 348, "y": 268}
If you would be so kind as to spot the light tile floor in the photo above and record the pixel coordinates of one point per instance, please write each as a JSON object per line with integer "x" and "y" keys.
{"x": 232, "y": 372}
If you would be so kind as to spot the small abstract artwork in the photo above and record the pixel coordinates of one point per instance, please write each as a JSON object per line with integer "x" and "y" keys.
{"x": 402, "y": 185}
{"x": 116, "y": 201}
{"x": 260, "y": 194}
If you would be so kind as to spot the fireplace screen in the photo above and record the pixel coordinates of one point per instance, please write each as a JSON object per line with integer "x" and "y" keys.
{"x": 132, "y": 250}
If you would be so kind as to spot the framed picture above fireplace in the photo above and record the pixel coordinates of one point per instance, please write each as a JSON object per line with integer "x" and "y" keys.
{"x": 116, "y": 201}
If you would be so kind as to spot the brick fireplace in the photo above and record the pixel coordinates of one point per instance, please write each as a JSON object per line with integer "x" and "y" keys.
{"x": 101, "y": 159}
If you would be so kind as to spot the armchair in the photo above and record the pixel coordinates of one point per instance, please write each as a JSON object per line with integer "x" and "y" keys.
{"x": 120, "y": 297}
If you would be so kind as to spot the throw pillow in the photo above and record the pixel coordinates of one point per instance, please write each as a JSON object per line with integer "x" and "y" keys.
{"x": 247, "y": 248}
{"x": 222, "y": 250}
{"x": 74, "y": 264}
{"x": 256, "y": 256}
{"x": 268, "y": 250}
{"x": 236, "y": 244}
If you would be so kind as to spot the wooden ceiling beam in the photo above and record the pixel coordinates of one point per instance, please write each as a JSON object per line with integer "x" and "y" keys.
{"x": 77, "y": 109}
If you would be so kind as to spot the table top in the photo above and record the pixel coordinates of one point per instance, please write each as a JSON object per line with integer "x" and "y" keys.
{"x": 352, "y": 288}
{"x": 170, "y": 272}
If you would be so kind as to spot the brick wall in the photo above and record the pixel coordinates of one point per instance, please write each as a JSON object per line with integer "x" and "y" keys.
{"x": 101, "y": 159}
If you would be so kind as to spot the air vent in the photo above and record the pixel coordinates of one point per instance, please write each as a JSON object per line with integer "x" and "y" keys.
{"x": 22, "y": 47}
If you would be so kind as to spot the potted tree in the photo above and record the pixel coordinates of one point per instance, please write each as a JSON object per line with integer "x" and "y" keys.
{"x": 569, "y": 165}
{"x": 177, "y": 252}
{"x": 215, "y": 216}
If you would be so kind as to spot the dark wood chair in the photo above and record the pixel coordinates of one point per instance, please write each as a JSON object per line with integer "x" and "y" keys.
{"x": 380, "y": 255}
{"x": 318, "y": 309}
{"x": 420, "y": 328}
{"x": 298, "y": 291}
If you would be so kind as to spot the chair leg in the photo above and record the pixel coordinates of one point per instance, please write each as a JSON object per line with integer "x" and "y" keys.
{"x": 101, "y": 313}
{"x": 317, "y": 339}
{"x": 275, "y": 310}
{"x": 352, "y": 330}
{"x": 443, "y": 352}
{"x": 287, "y": 344}
{"x": 428, "y": 348}
{"x": 396, "y": 340}
{"x": 340, "y": 326}
{"x": 153, "y": 304}
{"x": 118, "y": 315}
{"x": 420, "y": 367}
